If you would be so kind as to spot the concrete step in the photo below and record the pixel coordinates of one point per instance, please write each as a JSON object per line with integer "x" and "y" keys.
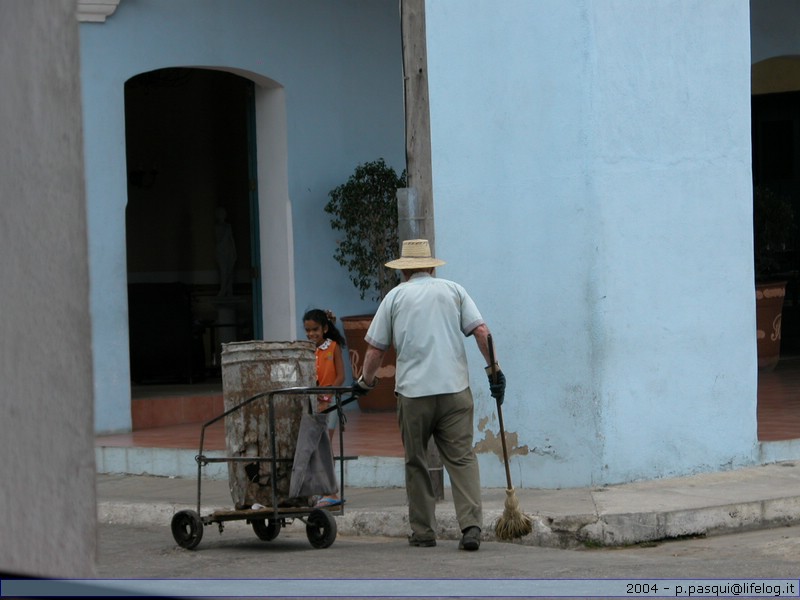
{"x": 365, "y": 471}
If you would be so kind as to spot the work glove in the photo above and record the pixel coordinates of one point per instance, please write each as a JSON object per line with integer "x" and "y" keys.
{"x": 497, "y": 384}
{"x": 360, "y": 387}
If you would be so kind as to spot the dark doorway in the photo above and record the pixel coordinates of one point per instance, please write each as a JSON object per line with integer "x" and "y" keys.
{"x": 776, "y": 167}
{"x": 189, "y": 221}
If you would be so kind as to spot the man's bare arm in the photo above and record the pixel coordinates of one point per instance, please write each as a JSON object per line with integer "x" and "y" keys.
{"x": 481, "y": 333}
{"x": 372, "y": 362}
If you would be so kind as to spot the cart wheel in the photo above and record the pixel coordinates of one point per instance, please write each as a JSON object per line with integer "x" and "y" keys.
{"x": 187, "y": 529}
{"x": 266, "y": 530}
{"x": 321, "y": 528}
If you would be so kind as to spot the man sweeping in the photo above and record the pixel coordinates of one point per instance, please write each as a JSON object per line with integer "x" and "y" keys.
{"x": 426, "y": 319}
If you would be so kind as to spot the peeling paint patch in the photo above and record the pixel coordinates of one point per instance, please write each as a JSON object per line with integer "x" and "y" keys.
{"x": 546, "y": 450}
{"x": 492, "y": 443}
{"x": 482, "y": 423}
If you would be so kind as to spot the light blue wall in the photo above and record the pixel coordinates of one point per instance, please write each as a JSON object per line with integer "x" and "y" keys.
{"x": 592, "y": 188}
{"x": 340, "y": 64}
{"x": 591, "y": 166}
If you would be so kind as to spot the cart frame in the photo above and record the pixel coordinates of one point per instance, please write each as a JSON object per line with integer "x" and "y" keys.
{"x": 187, "y": 525}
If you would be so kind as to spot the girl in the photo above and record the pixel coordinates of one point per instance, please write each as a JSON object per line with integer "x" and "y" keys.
{"x": 321, "y": 329}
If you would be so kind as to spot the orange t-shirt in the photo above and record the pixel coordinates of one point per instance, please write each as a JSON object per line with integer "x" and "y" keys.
{"x": 326, "y": 365}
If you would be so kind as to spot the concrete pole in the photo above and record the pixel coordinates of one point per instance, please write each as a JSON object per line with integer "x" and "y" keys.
{"x": 49, "y": 524}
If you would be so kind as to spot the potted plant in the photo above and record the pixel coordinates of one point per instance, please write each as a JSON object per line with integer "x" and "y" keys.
{"x": 364, "y": 209}
{"x": 773, "y": 231}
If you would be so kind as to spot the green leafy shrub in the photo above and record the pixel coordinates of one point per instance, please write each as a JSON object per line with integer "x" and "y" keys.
{"x": 365, "y": 209}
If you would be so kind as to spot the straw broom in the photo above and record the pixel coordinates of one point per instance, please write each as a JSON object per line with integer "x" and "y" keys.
{"x": 513, "y": 523}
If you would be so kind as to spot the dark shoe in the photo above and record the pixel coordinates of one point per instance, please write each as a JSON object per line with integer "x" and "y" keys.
{"x": 471, "y": 540}
{"x": 413, "y": 540}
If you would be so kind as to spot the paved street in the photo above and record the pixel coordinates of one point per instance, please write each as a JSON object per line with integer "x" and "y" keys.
{"x": 127, "y": 551}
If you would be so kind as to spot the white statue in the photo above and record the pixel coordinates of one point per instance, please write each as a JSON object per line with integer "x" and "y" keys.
{"x": 226, "y": 253}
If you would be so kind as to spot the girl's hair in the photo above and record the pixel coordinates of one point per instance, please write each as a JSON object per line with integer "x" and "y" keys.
{"x": 325, "y": 317}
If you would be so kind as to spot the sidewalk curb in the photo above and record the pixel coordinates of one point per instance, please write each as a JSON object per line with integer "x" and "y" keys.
{"x": 560, "y": 532}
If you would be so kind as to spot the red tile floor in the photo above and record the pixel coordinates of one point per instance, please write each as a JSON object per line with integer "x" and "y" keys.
{"x": 778, "y": 411}
{"x": 365, "y": 434}
{"x": 377, "y": 434}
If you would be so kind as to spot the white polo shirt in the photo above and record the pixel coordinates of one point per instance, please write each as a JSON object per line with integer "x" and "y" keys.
{"x": 426, "y": 319}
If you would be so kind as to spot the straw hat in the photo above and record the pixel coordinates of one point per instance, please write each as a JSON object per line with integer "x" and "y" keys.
{"x": 416, "y": 254}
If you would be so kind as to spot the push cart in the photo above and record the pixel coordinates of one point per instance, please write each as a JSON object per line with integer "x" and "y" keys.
{"x": 267, "y": 521}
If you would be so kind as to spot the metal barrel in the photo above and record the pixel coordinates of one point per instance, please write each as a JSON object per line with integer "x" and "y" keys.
{"x": 248, "y": 369}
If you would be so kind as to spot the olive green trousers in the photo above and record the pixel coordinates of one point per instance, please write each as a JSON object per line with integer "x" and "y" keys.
{"x": 449, "y": 419}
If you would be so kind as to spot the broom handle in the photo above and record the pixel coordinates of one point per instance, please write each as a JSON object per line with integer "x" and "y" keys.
{"x": 499, "y": 412}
